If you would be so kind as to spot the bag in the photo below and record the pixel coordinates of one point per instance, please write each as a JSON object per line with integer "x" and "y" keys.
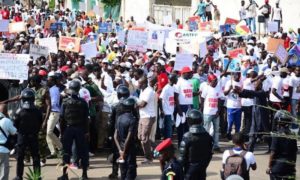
{"x": 236, "y": 164}
{"x": 11, "y": 140}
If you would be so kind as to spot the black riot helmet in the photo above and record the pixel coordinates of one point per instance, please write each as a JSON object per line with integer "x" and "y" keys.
{"x": 27, "y": 98}
{"x": 129, "y": 103}
{"x": 123, "y": 92}
{"x": 283, "y": 118}
{"x": 74, "y": 87}
{"x": 194, "y": 117}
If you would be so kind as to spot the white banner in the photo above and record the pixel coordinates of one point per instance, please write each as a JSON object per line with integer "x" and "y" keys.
{"x": 4, "y": 24}
{"x": 14, "y": 66}
{"x": 50, "y": 43}
{"x": 89, "y": 50}
{"x": 156, "y": 40}
{"x": 37, "y": 51}
{"x": 171, "y": 46}
{"x": 137, "y": 41}
{"x": 185, "y": 37}
{"x": 183, "y": 60}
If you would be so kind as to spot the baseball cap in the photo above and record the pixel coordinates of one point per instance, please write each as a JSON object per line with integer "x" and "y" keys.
{"x": 186, "y": 69}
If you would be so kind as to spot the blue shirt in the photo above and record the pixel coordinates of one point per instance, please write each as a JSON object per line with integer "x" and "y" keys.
{"x": 201, "y": 8}
{"x": 298, "y": 39}
{"x": 55, "y": 98}
{"x": 9, "y": 129}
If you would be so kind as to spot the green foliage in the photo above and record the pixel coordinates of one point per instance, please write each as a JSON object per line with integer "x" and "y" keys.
{"x": 52, "y": 4}
{"x": 33, "y": 175}
{"x": 111, "y": 3}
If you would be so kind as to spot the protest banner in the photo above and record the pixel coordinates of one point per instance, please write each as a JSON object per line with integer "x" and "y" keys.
{"x": 194, "y": 23}
{"x": 236, "y": 52}
{"x": 137, "y": 41}
{"x": 4, "y": 24}
{"x": 96, "y": 10}
{"x": 272, "y": 26}
{"x": 182, "y": 36}
{"x": 89, "y": 50}
{"x": 50, "y": 43}
{"x": 281, "y": 54}
{"x": 104, "y": 27}
{"x": 231, "y": 21}
{"x": 171, "y": 46}
{"x": 121, "y": 37}
{"x": 156, "y": 40}
{"x": 69, "y": 44}
{"x": 183, "y": 60}
{"x": 205, "y": 26}
{"x": 14, "y": 66}
{"x": 234, "y": 66}
{"x": 203, "y": 49}
{"x": 167, "y": 20}
{"x": 16, "y": 27}
{"x": 192, "y": 48}
{"x": 273, "y": 44}
{"x": 37, "y": 51}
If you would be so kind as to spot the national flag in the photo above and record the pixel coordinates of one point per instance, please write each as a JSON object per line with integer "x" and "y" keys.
{"x": 294, "y": 54}
{"x": 242, "y": 30}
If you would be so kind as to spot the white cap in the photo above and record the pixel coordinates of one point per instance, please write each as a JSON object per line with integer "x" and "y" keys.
{"x": 81, "y": 54}
{"x": 129, "y": 58}
{"x": 122, "y": 64}
{"x": 161, "y": 62}
{"x": 22, "y": 39}
{"x": 116, "y": 46}
{"x": 128, "y": 65}
{"x": 250, "y": 41}
{"x": 105, "y": 60}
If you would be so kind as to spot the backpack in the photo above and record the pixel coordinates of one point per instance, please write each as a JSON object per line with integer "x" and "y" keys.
{"x": 11, "y": 140}
{"x": 236, "y": 164}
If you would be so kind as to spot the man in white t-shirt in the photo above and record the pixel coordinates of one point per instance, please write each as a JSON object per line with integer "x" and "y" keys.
{"x": 147, "y": 112}
{"x": 251, "y": 15}
{"x": 167, "y": 105}
{"x": 233, "y": 104}
{"x": 276, "y": 95}
{"x": 294, "y": 87}
{"x": 210, "y": 104}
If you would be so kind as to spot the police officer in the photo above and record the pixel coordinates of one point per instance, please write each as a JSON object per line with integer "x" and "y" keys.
{"x": 74, "y": 124}
{"x": 170, "y": 166}
{"x": 125, "y": 133}
{"x": 282, "y": 163}
{"x": 195, "y": 148}
{"x": 28, "y": 120}
{"x": 122, "y": 93}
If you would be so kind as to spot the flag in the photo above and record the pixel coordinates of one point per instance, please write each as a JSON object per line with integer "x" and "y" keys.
{"x": 294, "y": 54}
{"x": 242, "y": 30}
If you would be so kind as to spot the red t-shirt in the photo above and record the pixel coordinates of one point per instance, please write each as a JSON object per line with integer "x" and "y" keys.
{"x": 5, "y": 14}
{"x": 287, "y": 43}
{"x": 18, "y": 18}
{"x": 162, "y": 80}
{"x": 87, "y": 30}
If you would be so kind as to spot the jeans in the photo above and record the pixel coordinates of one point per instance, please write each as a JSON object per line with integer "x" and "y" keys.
{"x": 208, "y": 119}
{"x": 234, "y": 116}
{"x": 247, "y": 110}
{"x": 168, "y": 126}
{"x": 278, "y": 22}
{"x": 52, "y": 140}
{"x": 252, "y": 24}
{"x": 4, "y": 166}
{"x": 202, "y": 17}
{"x": 294, "y": 112}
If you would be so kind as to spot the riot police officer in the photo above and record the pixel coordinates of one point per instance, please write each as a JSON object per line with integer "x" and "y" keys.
{"x": 282, "y": 163}
{"x": 74, "y": 125}
{"x": 28, "y": 120}
{"x": 122, "y": 93}
{"x": 195, "y": 148}
{"x": 125, "y": 133}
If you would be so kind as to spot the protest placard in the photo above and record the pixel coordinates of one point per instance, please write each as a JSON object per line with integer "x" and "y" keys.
{"x": 89, "y": 50}
{"x": 225, "y": 28}
{"x": 194, "y": 23}
{"x": 281, "y": 54}
{"x": 203, "y": 49}
{"x": 234, "y": 66}
{"x": 104, "y": 27}
{"x": 156, "y": 40}
{"x": 82, "y": 6}
{"x": 56, "y": 25}
{"x": 137, "y": 41}
{"x": 121, "y": 35}
{"x": 31, "y": 22}
{"x": 273, "y": 44}
{"x": 4, "y": 24}
{"x": 14, "y": 66}
{"x": 231, "y": 21}
{"x": 50, "y": 43}
{"x": 272, "y": 26}
{"x": 167, "y": 20}
{"x": 16, "y": 27}
{"x": 69, "y": 44}
{"x": 37, "y": 51}
{"x": 192, "y": 48}
{"x": 183, "y": 60}
{"x": 236, "y": 52}
{"x": 48, "y": 23}
{"x": 171, "y": 46}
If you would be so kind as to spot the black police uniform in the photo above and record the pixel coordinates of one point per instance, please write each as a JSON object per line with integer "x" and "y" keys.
{"x": 75, "y": 113}
{"x": 196, "y": 152}
{"x": 173, "y": 168}
{"x": 126, "y": 123}
{"x": 28, "y": 120}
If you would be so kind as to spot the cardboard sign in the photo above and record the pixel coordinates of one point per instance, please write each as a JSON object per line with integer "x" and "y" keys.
{"x": 4, "y": 24}
{"x": 183, "y": 60}
{"x": 105, "y": 27}
{"x": 69, "y": 44}
{"x": 236, "y": 52}
{"x": 272, "y": 26}
{"x": 137, "y": 41}
{"x": 281, "y": 54}
{"x": 14, "y": 66}
{"x": 167, "y": 20}
{"x": 16, "y": 27}
{"x": 234, "y": 66}
{"x": 156, "y": 40}
{"x": 273, "y": 44}
{"x": 37, "y": 51}
{"x": 50, "y": 43}
{"x": 31, "y": 22}
{"x": 203, "y": 49}
{"x": 171, "y": 46}
{"x": 231, "y": 21}
{"x": 89, "y": 50}
{"x": 193, "y": 23}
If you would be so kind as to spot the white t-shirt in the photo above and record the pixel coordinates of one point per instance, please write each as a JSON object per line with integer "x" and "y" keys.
{"x": 248, "y": 85}
{"x": 249, "y": 157}
{"x": 278, "y": 85}
{"x": 295, "y": 83}
{"x": 148, "y": 96}
{"x": 167, "y": 97}
{"x": 243, "y": 13}
{"x": 184, "y": 88}
{"x": 277, "y": 12}
{"x": 211, "y": 97}
{"x": 285, "y": 85}
{"x": 233, "y": 99}
{"x": 252, "y": 11}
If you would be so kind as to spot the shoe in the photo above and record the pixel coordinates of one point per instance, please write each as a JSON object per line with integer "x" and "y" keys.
{"x": 229, "y": 137}
{"x": 42, "y": 164}
{"x": 113, "y": 176}
{"x": 146, "y": 161}
{"x": 52, "y": 156}
{"x": 63, "y": 177}
{"x": 73, "y": 166}
{"x": 218, "y": 150}
{"x": 91, "y": 154}
{"x": 84, "y": 177}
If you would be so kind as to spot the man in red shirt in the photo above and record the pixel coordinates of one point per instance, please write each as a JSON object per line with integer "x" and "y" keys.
{"x": 87, "y": 29}
{"x": 162, "y": 76}
{"x": 5, "y": 13}
{"x": 18, "y": 17}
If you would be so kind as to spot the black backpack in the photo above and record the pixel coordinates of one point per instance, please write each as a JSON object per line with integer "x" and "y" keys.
{"x": 11, "y": 140}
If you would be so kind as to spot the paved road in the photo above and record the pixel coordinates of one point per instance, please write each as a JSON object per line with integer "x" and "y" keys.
{"x": 100, "y": 168}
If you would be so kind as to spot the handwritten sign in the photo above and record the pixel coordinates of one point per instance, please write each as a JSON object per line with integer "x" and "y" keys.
{"x": 236, "y": 52}
{"x": 4, "y": 24}
{"x": 69, "y": 44}
{"x": 16, "y": 27}
{"x": 272, "y": 26}
{"x": 191, "y": 48}
{"x": 273, "y": 44}
{"x": 137, "y": 41}
{"x": 14, "y": 66}
{"x": 281, "y": 54}
{"x": 37, "y": 51}
{"x": 156, "y": 40}
{"x": 234, "y": 66}
{"x": 183, "y": 60}
{"x": 89, "y": 50}
{"x": 50, "y": 43}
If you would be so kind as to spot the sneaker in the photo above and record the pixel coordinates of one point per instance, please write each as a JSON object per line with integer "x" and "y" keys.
{"x": 91, "y": 154}
{"x": 73, "y": 166}
{"x": 229, "y": 137}
{"x": 146, "y": 161}
{"x": 113, "y": 176}
{"x": 52, "y": 156}
{"x": 63, "y": 177}
{"x": 42, "y": 164}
